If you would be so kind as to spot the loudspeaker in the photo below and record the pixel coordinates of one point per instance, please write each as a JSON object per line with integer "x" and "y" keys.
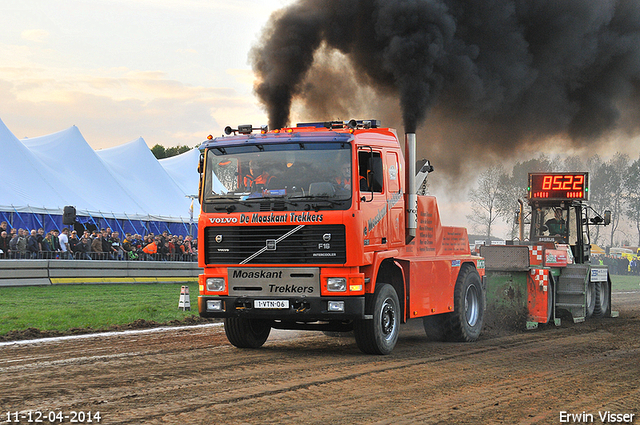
{"x": 69, "y": 215}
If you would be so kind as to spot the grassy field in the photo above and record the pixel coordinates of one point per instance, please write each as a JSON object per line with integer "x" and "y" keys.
{"x": 65, "y": 307}
{"x": 625, "y": 283}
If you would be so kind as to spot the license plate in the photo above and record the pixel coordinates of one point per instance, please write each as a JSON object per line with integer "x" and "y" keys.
{"x": 278, "y": 304}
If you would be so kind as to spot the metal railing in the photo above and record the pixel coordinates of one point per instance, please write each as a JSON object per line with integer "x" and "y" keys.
{"x": 119, "y": 256}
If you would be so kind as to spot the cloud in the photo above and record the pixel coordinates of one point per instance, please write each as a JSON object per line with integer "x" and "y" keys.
{"x": 111, "y": 107}
{"x": 35, "y": 35}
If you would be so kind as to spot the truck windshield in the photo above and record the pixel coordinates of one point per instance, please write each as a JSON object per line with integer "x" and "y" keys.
{"x": 320, "y": 171}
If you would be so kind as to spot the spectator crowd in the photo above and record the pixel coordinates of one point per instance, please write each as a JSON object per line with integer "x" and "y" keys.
{"x": 103, "y": 244}
{"x": 618, "y": 265}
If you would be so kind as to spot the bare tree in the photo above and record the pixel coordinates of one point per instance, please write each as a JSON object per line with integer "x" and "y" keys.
{"x": 484, "y": 199}
{"x": 514, "y": 187}
{"x": 596, "y": 198}
{"x": 608, "y": 189}
{"x": 632, "y": 196}
{"x": 570, "y": 163}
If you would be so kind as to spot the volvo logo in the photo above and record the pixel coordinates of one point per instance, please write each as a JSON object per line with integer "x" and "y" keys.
{"x": 326, "y": 237}
{"x": 219, "y": 238}
{"x": 270, "y": 245}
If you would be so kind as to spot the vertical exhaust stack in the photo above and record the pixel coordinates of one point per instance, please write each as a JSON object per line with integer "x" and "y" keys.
{"x": 412, "y": 198}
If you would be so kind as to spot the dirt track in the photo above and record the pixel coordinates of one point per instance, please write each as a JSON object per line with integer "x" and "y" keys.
{"x": 193, "y": 376}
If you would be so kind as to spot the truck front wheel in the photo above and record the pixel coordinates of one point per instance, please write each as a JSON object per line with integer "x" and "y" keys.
{"x": 379, "y": 336}
{"x": 465, "y": 323}
{"x": 246, "y": 333}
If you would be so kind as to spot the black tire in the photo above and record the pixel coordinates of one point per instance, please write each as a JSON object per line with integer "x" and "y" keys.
{"x": 603, "y": 299}
{"x": 434, "y": 327}
{"x": 591, "y": 298}
{"x": 246, "y": 333}
{"x": 379, "y": 336}
{"x": 465, "y": 323}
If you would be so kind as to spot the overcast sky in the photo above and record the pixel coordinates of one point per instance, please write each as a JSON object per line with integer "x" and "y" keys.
{"x": 170, "y": 71}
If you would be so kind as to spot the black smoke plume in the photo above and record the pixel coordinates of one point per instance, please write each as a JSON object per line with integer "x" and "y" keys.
{"x": 504, "y": 71}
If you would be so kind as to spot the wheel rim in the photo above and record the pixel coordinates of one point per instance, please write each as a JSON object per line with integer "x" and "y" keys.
{"x": 471, "y": 305}
{"x": 388, "y": 319}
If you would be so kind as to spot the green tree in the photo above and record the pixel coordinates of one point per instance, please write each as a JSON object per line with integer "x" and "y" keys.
{"x": 177, "y": 150}
{"x": 160, "y": 151}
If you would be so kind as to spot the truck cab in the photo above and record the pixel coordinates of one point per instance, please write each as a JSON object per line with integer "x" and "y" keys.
{"x": 311, "y": 228}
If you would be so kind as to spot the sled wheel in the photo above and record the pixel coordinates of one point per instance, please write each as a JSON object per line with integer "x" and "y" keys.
{"x": 246, "y": 333}
{"x": 379, "y": 336}
{"x": 602, "y": 299}
{"x": 591, "y": 298}
{"x": 551, "y": 302}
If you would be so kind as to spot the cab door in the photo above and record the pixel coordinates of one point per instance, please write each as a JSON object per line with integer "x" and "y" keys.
{"x": 395, "y": 200}
{"x": 373, "y": 199}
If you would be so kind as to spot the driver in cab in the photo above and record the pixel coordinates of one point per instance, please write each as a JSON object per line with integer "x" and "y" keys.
{"x": 343, "y": 181}
{"x": 257, "y": 177}
{"x": 556, "y": 225}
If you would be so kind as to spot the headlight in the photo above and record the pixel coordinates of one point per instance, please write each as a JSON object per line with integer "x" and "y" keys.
{"x": 335, "y": 306}
{"x": 336, "y": 284}
{"x": 215, "y": 284}
{"x": 214, "y": 305}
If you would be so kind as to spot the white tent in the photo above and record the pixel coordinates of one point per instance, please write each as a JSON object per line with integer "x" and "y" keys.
{"x": 183, "y": 169}
{"x": 44, "y": 174}
{"x": 68, "y": 156}
{"x": 141, "y": 175}
{"x": 27, "y": 186}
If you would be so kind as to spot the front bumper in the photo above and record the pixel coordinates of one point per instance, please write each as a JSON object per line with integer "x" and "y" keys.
{"x": 303, "y": 309}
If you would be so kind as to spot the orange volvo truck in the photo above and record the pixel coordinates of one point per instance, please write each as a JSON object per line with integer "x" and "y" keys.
{"x": 325, "y": 226}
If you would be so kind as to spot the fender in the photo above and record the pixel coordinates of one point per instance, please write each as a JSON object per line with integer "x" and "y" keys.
{"x": 371, "y": 271}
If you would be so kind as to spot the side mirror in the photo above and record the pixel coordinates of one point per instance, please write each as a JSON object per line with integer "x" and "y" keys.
{"x": 607, "y": 217}
{"x": 201, "y": 164}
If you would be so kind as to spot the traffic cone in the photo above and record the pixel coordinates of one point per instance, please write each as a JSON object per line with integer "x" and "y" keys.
{"x": 184, "y": 303}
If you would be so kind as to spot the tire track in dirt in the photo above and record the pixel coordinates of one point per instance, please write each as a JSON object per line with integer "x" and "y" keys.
{"x": 194, "y": 376}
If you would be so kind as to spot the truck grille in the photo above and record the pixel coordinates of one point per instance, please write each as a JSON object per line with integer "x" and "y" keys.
{"x": 305, "y": 244}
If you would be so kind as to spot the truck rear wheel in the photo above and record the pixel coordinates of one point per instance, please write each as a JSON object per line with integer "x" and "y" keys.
{"x": 465, "y": 323}
{"x": 246, "y": 333}
{"x": 434, "y": 327}
{"x": 602, "y": 299}
{"x": 379, "y": 336}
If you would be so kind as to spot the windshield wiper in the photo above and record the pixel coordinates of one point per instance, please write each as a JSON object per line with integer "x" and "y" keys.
{"x": 317, "y": 202}
{"x": 279, "y": 199}
{"x": 227, "y": 198}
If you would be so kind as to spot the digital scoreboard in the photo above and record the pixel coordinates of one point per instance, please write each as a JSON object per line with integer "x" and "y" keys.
{"x": 558, "y": 186}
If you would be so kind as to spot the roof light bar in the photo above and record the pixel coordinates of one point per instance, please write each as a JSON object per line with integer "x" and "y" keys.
{"x": 245, "y": 129}
{"x": 353, "y": 124}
